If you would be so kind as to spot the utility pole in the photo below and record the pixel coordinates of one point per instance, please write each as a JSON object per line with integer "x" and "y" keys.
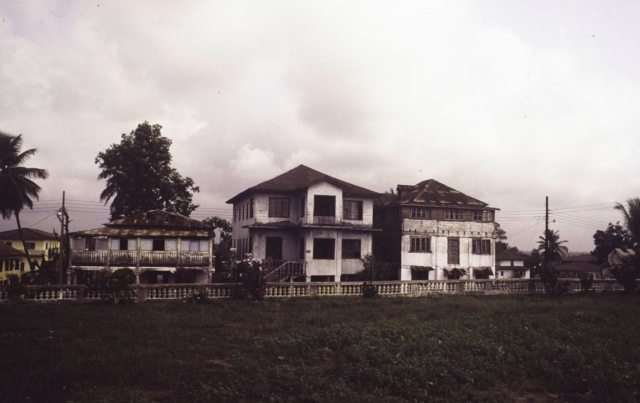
{"x": 546, "y": 232}
{"x": 64, "y": 235}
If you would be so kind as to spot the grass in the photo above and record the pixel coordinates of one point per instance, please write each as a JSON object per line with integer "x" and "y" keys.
{"x": 485, "y": 349}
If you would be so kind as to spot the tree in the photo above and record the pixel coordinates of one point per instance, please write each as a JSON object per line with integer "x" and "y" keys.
{"x": 140, "y": 177}
{"x": 615, "y": 236}
{"x": 15, "y": 182}
{"x": 556, "y": 250}
{"x": 628, "y": 272}
{"x": 223, "y": 256}
{"x": 501, "y": 235}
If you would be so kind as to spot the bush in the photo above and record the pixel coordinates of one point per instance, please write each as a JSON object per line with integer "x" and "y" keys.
{"x": 197, "y": 297}
{"x": 626, "y": 275}
{"x": 114, "y": 286}
{"x": 377, "y": 270}
{"x": 369, "y": 290}
{"x": 251, "y": 274}
{"x": 586, "y": 282}
{"x": 549, "y": 277}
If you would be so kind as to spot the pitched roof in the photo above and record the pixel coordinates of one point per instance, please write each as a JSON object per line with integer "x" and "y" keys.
{"x": 29, "y": 234}
{"x": 585, "y": 257}
{"x": 300, "y": 178}
{"x": 431, "y": 193}
{"x": 8, "y": 251}
{"x": 508, "y": 256}
{"x": 152, "y": 223}
{"x": 581, "y": 266}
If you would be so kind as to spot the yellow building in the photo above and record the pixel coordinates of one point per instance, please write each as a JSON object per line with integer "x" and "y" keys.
{"x": 42, "y": 245}
{"x": 12, "y": 261}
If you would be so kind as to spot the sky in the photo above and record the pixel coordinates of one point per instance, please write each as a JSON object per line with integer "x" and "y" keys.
{"x": 508, "y": 102}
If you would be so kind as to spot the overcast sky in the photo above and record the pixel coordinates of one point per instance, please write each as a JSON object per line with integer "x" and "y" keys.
{"x": 505, "y": 101}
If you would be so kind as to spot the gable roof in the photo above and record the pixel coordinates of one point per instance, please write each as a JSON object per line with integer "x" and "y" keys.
{"x": 29, "y": 234}
{"x": 302, "y": 177}
{"x": 431, "y": 193}
{"x": 585, "y": 267}
{"x": 8, "y": 251}
{"x": 585, "y": 257}
{"x": 508, "y": 256}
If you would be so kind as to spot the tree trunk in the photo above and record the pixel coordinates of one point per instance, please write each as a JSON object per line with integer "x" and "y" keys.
{"x": 24, "y": 245}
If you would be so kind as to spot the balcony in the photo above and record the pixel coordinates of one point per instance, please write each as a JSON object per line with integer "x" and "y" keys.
{"x": 143, "y": 258}
{"x": 321, "y": 220}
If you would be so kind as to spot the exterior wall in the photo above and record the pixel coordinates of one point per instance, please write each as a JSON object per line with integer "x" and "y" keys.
{"x": 440, "y": 231}
{"x": 41, "y": 246}
{"x": 354, "y": 266}
{"x": 322, "y": 267}
{"x": 508, "y": 273}
{"x": 290, "y": 243}
{"x": 12, "y": 265}
{"x": 323, "y": 189}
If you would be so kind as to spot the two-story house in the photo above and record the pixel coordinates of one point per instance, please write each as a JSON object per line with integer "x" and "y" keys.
{"x": 12, "y": 261}
{"x": 43, "y": 246}
{"x": 321, "y": 223}
{"x": 156, "y": 245}
{"x": 434, "y": 232}
{"x": 511, "y": 265}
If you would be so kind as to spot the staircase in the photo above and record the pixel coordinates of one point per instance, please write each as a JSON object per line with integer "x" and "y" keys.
{"x": 287, "y": 271}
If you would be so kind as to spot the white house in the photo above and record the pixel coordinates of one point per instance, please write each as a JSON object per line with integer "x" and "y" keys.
{"x": 511, "y": 265}
{"x": 434, "y": 232}
{"x": 307, "y": 224}
{"x": 155, "y": 245}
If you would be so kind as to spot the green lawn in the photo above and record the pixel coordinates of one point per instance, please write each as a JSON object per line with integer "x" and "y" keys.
{"x": 485, "y": 349}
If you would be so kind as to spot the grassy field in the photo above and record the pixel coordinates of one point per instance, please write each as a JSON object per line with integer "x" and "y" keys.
{"x": 485, "y": 349}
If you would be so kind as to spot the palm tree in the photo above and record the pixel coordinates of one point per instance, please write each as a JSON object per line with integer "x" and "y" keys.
{"x": 556, "y": 250}
{"x": 631, "y": 215}
{"x": 16, "y": 187}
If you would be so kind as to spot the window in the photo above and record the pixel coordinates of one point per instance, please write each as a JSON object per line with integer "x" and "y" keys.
{"x": 324, "y": 248}
{"x": 453, "y": 250}
{"x": 479, "y": 215}
{"x": 351, "y": 249}
{"x": 274, "y": 248}
{"x": 420, "y": 212}
{"x": 453, "y": 214}
{"x": 481, "y": 246}
{"x": 324, "y": 206}
{"x": 420, "y": 244}
{"x": 302, "y": 206}
{"x": 251, "y": 208}
{"x": 158, "y": 244}
{"x": 278, "y": 207}
{"x": 352, "y": 210}
{"x": 30, "y": 245}
{"x": 302, "y": 248}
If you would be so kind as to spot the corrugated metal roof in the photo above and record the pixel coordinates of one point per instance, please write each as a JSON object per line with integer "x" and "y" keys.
{"x": 585, "y": 257}
{"x": 143, "y": 232}
{"x": 585, "y": 267}
{"x": 29, "y": 234}
{"x": 158, "y": 219}
{"x": 300, "y": 178}
{"x": 508, "y": 256}
{"x": 8, "y": 251}
{"x": 431, "y": 193}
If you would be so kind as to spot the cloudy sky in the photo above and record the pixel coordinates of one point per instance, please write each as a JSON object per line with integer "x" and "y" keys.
{"x": 506, "y": 101}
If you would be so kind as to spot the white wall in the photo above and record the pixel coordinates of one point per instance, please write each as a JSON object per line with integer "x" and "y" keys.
{"x": 323, "y": 189}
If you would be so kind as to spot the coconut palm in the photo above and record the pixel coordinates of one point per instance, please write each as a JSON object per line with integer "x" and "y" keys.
{"x": 631, "y": 215}
{"x": 556, "y": 250}
{"x": 16, "y": 187}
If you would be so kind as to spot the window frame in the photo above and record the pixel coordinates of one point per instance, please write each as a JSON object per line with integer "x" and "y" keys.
{"x": 319, "y": 249}
{"x": 275, "y": 212}
{"x": 420, "y": 213}
{"x": 453, "y": 214}
{"x": 420, "y": 244}
{"x": 350, "y": 250}
{"x": 358, "y": 210}
{"x": 481, "y": 246}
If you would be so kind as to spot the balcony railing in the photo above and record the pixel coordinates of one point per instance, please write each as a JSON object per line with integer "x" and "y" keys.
{"x": 142, "y": 258}
{"x": 321, "y": 220}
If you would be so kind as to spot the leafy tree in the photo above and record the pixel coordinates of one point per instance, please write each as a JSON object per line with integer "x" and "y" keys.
{"x": 140, "y": 178}
{"x": 501, "y": 235}
{"x": 615, "y": 236}
{"x": 628, "y": 272}
{"x": 15, "y": 182}
{"x": 376, "y": 269}
{"x": 533, "y": 261}
{"x": 556, "y": 250}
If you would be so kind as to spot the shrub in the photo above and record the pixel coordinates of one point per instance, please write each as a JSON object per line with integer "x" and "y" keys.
{"x": 376, "y": 269}
{"x": 197, "y": 297}
{"x": 549, "y": 277}
{"x": 369, "y": 290}
{"x": 115, "y": 286}
{"x": 251, "y": 274}
{"x": 626, "y": 275}
{"x": 586, "y": 282}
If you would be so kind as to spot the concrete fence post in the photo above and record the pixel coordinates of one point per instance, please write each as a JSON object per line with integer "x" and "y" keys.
{"x": 460, "y": 288}
{"x": 488, "y": 286}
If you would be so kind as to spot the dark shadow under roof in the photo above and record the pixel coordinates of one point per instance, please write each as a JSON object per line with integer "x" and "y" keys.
{"x": 300, "y": 178}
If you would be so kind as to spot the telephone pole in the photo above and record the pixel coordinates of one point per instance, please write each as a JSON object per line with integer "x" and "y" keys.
{"x": 546, "y": 232}
{"x": 64, "y": 233}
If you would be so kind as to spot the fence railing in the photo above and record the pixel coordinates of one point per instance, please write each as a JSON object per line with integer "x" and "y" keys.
{"x": 144, "y": 258}
{"x": 142, "y": 292}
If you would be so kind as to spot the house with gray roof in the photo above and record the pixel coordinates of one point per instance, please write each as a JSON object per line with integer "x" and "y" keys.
{"x": 159, "y": 246}
{"x": 306, "y": 224}
{"x": 434, "y": 232}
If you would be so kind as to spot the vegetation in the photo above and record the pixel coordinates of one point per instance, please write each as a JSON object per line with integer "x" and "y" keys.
{"x": 15, "y": 181}
{"x": 140, "y": 178}
{"x": 627, "y": 273}
{"x": 450, "y": 349}
{"x": 376, "y": 269}
{"x": 549, "y": 276}
{"x": 223, "y": 256}
{"x": 615, "y": 236}
{"x": 252, "y": 275}
{"x": 116, "y": 286}
{"x": 556, "y": 250}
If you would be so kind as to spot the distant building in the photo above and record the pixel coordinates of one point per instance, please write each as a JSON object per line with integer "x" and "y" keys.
{"x": 12, "y": 261}
{"x": 306, "y": 224}
{"x": 155, "y": 245}
{"x": 434, "y": 232}
{"x": 511, "y": 265}
{"x": 41, "y": 245}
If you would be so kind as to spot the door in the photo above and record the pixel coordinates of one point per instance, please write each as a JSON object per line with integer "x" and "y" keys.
{"x": 274, "y": 248}
{"x": 453, "y": 251}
